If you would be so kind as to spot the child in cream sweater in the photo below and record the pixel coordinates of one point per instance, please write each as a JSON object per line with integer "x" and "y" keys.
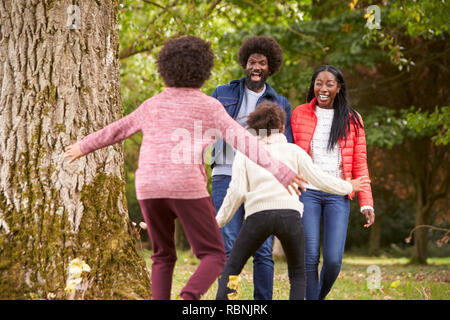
{"x": 269, "y": 208}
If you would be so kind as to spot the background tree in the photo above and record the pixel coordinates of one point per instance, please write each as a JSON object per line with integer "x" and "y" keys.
{"x": 412, "y": 125}
{"x": 59, "y": 74}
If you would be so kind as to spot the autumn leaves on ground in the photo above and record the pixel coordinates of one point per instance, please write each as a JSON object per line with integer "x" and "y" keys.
{"x": 397, "y": 279}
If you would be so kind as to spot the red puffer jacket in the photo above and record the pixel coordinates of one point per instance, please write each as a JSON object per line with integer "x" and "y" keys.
{"x": 354, "y": 152}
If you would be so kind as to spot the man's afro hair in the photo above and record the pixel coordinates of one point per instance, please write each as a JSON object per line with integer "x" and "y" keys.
{"x": 266, "y": 46}
{"x": 185, "y": 62}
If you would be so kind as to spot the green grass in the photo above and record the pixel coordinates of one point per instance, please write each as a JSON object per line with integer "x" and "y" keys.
{"x": 399, "y": 280}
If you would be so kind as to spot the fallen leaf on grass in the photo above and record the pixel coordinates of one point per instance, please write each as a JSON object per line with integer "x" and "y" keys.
{"x": 234, "y": 283}
{"x": 420, "y": 276}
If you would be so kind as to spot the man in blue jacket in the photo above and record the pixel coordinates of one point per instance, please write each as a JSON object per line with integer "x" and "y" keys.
{"x": 260, "y": 57}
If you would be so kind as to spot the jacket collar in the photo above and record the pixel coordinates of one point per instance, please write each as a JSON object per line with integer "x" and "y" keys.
{"x": 274, "y": 138}
{"x": 311, "y": 106}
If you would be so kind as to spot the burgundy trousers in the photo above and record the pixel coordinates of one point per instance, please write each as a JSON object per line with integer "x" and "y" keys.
{"x": 198, "y": 218}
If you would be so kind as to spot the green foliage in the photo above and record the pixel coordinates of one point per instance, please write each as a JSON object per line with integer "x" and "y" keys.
{"x": 434, "y": 125}
{"x": 387, "y": 127}
{"x": 416, "y": 19}
{"x": 426, "y": 19}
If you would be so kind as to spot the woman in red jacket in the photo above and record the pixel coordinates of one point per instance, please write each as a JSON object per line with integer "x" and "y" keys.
{"x": 333, "y": 134}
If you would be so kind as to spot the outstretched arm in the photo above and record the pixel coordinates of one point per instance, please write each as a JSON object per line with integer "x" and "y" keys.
{"x": 326, "y": 182}
{"x": 111, "y": 134}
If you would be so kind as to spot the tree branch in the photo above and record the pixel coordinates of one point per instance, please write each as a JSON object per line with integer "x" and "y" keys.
{"x": 154, "y": 3}
{"x": 212, "y": 7}
{"x": 254, "y": 5}
{"x": 408, "y": 239}
{"x": 301, "y": 35}
{"x": 131, "y": 51}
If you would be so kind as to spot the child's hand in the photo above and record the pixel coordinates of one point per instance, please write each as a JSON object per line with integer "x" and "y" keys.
{"x": 360, "y": 184}
{"x": 299, "y": 180}
{"x": 73, "y": 152}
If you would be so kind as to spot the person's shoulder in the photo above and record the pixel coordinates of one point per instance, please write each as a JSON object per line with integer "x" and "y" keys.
{"x": 297, "y": 110}
{"x": 292, "y": 146}
{"x": 303, "y": 109}
{"x": 284, "y": 101}
{"x": 211, "y": 101}
{"x": 239, "y": 158}
{"x": 304, "y": 106}
{"x": 283, "y": 147}
{"x": 233, "y": 84}
{"x": 148, "y": 102}
{"x": 281, "y": 100}
{"x": 295, "y": 149}
{"x": 358, "y": 114}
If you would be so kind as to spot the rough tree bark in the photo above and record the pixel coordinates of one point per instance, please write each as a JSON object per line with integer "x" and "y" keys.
{"x": 375, "y": 236}
{"x": 423, "y": 207}
{"x": 59, "y": 80}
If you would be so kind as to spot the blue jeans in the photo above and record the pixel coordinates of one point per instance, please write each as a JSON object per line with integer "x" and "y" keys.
{"x": 335, "y": 211}
{"x": 263, "y": 266}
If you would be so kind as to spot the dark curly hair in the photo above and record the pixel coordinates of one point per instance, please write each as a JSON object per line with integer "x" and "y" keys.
{"x": 266, "y": 46}
{"x": 185, "y": 62}
{"x": 267, "y": 116}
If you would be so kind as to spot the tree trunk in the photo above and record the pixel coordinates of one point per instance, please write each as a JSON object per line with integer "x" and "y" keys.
{"x": 375, "y": 236}
{"x": 423, "y": 209}
{"x": 59, "y": 80}
{"x": 420, "y": 237}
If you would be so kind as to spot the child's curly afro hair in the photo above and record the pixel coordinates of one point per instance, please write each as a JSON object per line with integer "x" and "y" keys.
{"x": 266, "y": 46}
{"x": 267, "y": 116}
{"x": 185, "y": 62}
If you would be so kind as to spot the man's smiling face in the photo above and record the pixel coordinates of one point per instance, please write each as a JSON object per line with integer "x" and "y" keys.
{"x": 257, "y": 71}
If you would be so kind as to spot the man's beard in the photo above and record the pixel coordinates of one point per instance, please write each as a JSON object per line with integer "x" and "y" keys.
{"x": 255, "y": 85}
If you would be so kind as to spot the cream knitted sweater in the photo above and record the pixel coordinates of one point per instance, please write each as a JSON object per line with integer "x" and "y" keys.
{"x": 261, "y": 191}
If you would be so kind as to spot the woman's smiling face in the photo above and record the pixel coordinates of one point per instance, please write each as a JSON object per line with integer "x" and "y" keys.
{"x": 325, "y": 89}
